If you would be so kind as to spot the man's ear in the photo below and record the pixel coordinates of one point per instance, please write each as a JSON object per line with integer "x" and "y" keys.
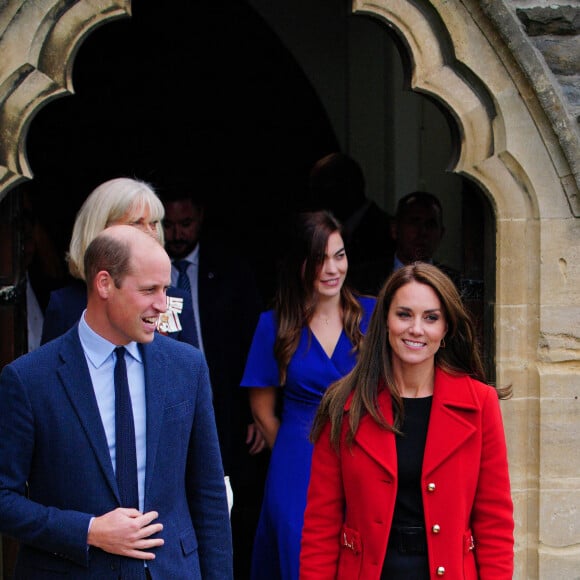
{"x": 103, "y": 283}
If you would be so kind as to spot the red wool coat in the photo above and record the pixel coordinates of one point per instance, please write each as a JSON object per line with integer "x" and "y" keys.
{"x": 465, "y": 488}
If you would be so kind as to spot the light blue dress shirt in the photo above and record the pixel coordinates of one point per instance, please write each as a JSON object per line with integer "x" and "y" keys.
{"x": 398, "y": 264}
{"x": 100, "y": 357}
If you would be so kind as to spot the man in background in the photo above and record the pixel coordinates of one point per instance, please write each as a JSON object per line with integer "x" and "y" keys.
{"x": 44, "y": 270}
{"x": 416, "y": 231}
{"x": 337, "y": 183}
{"x": 226, "y": 305}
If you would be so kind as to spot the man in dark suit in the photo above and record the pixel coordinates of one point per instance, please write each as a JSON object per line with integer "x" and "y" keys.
{"x": 227, "y": 304}
{"x": 416, "y": 231}
{"x": 61, "y": 477}
{"x": 336, "y": 182}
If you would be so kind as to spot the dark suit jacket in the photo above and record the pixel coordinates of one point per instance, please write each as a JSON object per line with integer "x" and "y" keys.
{"x": 66, "y": 305}
{"x": 229, "y": 306}
{"x": 56, "y": 472}
{"x": 368, "y": 244}
{"x": 372, "y": 277}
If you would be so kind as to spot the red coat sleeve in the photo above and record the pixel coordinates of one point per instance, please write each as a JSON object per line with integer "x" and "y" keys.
{"x": 324, "y": 514}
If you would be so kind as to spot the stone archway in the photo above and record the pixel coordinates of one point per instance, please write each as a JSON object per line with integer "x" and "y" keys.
{"x": 508, "y": 147}
{"x": 39, "y": 43}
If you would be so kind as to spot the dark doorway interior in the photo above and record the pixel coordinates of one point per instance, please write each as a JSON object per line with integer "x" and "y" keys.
{"x": 202, "y": 96}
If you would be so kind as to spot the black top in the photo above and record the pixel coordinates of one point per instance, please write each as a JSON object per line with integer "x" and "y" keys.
{"x": 400, "y": 563}
{"x": 410, "y": 450}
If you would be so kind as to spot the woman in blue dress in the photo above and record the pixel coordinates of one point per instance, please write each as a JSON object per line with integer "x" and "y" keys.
{"x": 309, "y": 340}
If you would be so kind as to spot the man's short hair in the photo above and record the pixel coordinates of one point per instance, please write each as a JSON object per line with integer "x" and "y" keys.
{"x": 180, "y": 191}
{"x": 337, "y": 183}
{"x": 110, "y": 254}
{"x": 421, "y": 198}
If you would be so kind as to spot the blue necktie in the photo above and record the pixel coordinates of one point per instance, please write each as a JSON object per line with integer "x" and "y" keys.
{"x": 126, "y": 452}
{"x": 126, "y": 455}
{"x": 183, "y": 278}
{"x": 184, "y": 283}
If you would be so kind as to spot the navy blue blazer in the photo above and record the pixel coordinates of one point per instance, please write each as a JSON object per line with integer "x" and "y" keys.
{"x": 66, "y": 305}
{"x": 56, "y": 472}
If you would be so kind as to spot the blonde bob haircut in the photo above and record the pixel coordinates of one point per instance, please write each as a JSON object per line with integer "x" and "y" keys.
{"x": 117, "y": 201}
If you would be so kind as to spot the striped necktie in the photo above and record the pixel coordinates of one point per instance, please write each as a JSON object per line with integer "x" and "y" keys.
{"x": 183, "y": 279}
{"x": 184, "y": 283}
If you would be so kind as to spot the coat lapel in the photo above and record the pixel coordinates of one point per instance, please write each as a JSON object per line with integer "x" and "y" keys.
{"x": 378, "y": 443}
{"x": 76, "y": 380}
{"x": 205, "y": 288}
{"x": 155, "y": 360}
{"x": 451, "y": 422}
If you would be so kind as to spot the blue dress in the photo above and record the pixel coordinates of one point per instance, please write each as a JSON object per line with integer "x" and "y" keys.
{"x": 277, "y": 542}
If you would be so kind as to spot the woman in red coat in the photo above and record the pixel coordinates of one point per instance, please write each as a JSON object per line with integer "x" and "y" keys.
{"x": 409, "y": 476}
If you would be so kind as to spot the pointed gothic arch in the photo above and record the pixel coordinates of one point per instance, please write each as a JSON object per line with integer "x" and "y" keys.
{"x": 38, "y": 45}
{"x": 457, "y": 59}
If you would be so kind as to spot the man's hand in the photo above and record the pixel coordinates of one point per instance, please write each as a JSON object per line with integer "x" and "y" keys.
{"x": 255, "y": 439}
{"x": 126, "y": 532}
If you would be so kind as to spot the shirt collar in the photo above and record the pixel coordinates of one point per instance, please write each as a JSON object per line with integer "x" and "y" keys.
{"x": 398, "y": 264}
{"x": 193, "y": 256}
{"x": 99, "y": 349}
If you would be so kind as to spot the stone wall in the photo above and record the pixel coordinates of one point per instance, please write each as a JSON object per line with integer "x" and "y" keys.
{"x": 544, "y": 37}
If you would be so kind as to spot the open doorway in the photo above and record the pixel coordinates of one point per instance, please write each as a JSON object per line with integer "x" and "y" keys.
{"x": 237, "y": 101}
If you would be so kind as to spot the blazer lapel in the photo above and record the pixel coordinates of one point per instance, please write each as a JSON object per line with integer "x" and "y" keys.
{"x": 76, "y": 380}
{"x": 451, "y": 422}
{"x": 155, "y": 360}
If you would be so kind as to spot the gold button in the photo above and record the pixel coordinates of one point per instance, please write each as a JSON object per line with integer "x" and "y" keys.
{"x": 436, "y": 529}
{"x": 430, "y": 487}
{"x": 441, "y": 571}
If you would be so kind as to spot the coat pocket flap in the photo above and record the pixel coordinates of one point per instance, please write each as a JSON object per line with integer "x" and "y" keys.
{"x": 468, "y": 542}
{"x": 350, "y": 539}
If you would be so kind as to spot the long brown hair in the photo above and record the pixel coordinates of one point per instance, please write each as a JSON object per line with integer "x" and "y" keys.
{"x": 374, "y": 365}
{"x": 295, "y": 297}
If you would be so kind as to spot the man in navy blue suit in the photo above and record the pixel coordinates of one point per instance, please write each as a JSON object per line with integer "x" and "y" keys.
{"x": 59, "y": 495}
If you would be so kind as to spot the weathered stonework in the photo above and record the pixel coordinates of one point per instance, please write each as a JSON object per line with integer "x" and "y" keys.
{"x": 544, "y": 39}
{"x": 555, "y": 31}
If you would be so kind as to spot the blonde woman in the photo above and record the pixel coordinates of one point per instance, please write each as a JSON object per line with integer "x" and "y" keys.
{"x": 122, "y": 201}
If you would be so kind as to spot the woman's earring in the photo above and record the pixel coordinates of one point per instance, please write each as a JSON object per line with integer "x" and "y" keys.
{"x": 443, "y": 342}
